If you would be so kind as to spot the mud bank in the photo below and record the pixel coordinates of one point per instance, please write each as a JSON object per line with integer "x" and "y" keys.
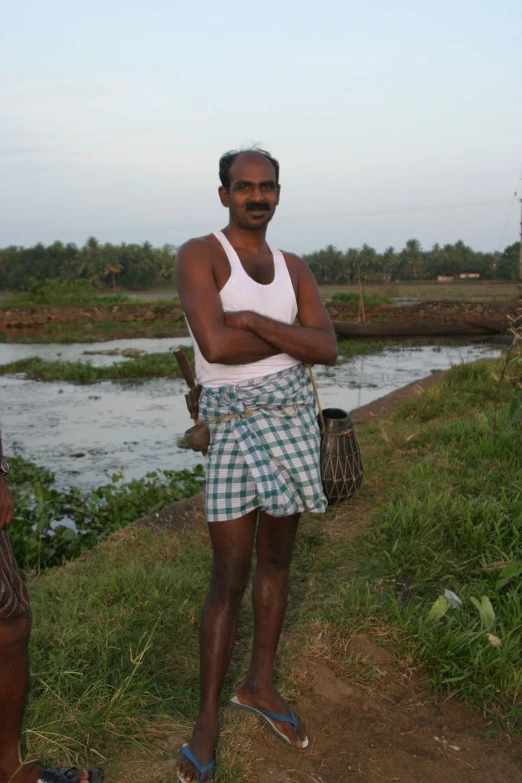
{"x": 38, "y": 317}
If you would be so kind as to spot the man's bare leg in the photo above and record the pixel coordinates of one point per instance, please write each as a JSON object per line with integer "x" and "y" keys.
{"x": 14, "y": 674}
{"x": 232, "y": 543}
{"x": 275, "y": 543}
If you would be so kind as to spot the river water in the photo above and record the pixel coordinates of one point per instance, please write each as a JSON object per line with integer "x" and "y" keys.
{"x": 84, "y": 433}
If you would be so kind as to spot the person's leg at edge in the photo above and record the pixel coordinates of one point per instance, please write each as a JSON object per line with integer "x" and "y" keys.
{"x": 232, "y": 544}
{"x": 274, "y": 546}
{"x": 14, "y": 675}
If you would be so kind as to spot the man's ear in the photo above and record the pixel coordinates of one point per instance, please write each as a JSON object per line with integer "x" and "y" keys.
{"x": 224, "y": 196}
{"x": 278, "y": 194}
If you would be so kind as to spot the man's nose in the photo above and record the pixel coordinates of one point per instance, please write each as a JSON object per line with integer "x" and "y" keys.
{"x": 257, "y": 194}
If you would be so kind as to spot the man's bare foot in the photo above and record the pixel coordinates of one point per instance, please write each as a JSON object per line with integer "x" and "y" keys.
{"x": 267, "y": 698}
{"x": 202, "y": 745}
{"x": 29, "y": 773}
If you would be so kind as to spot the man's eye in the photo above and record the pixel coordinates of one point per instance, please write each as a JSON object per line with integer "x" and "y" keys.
{"x": 267, "y": 186}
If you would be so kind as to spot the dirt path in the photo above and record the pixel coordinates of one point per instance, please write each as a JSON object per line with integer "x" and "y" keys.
{"x": 390, "y": 732}
{"x": 387, "y": 727}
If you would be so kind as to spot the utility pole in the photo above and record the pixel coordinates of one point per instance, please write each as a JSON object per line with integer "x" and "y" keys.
{"x": 520, "y": 256}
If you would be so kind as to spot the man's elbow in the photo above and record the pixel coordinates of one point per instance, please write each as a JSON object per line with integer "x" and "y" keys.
{"x": 214, "y": 351}
{"x": 331, "y": 352}
{"x": 212, "y": 354}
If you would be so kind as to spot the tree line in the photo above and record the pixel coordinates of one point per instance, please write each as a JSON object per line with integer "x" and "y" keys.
{"x": 101, "y": 265}
{"x": 137, "y": 266}
{"x": 331, "y": 266}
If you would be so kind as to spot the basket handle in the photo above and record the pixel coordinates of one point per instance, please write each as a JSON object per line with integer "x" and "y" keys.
{"x": 321, "y": 417}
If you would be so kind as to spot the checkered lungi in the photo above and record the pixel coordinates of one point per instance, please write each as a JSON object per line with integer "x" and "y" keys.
{"x": 14, "y": 598}
{"x": 264, "y": 452}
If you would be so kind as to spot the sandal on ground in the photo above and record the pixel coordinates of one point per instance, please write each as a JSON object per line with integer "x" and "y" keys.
{"x": 68, "y": 775}
{"x": 270, "y": 717}
{"x": 201, "y": 768}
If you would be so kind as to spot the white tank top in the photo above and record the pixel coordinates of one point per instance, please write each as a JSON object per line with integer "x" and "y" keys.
{"x": 240, "y": 292}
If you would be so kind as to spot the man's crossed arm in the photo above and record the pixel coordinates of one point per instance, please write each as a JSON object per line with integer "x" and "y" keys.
{"x": 245, "y": 337}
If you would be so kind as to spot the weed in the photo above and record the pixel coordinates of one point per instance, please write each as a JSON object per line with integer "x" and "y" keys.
{"x": 351, "y": 297}
{"x": 51, "y": 527}
{"x": 153, "y": 365}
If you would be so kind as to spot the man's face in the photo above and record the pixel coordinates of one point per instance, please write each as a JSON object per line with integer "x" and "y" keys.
{"x": 253, "y": 195}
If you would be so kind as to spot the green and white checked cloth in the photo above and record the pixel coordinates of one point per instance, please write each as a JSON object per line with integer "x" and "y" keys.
{"x": 264, "y": 452}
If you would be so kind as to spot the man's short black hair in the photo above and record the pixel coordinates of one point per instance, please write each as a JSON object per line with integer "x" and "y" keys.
{"x": 227, "y": 159}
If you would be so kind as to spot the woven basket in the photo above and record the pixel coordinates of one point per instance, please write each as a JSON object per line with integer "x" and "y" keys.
{"x": 342, "y": 467}
{"x": 341, "y": 462}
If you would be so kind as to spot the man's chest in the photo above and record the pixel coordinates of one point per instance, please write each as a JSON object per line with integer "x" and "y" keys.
{"x": 260, "y": 268}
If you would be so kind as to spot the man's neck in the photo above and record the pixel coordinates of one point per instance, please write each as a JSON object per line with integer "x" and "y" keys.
{"x": 253, "y": 241}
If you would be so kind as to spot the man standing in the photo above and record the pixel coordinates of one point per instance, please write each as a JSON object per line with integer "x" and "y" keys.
{"x": 15, "y": 628}
{"x": 241, "y": 297}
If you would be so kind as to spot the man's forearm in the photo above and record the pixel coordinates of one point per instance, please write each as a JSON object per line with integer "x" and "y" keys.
{"x": 312, "y": 346}
{"x": 230, "y": 345}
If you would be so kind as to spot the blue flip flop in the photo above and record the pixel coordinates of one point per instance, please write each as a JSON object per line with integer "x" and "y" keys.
{"x": 201, "y": 768}
{"x": 270, "y": 717}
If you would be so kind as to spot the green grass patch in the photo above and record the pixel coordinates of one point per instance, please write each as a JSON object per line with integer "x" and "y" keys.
{"x": 80, "y": 293}
{"x": 349, "y": 349}
{"x": 115, "y": 648}
{"x": 352, "y": 297}
{"x": 447, "y": 515}
{"x": 153, "y": 365}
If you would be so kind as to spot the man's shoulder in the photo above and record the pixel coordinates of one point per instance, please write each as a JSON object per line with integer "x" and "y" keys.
{"x": 197, "y": 248}
{"x": 293, "y": 260}
{"x": 198, "y": 244}
{"x": 293, "y": 257}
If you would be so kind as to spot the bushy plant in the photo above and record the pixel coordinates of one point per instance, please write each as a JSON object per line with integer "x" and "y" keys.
{"x": 351, "y": 297}
{"x": 52, "y": 526}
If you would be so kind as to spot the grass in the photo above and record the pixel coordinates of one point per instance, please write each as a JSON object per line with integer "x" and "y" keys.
{"x": 353, "y": 297}
{"x": 153, "y": 365}
{"x": 115, "y": 640}
{"x": 423, "y": 290}
{"x": 446, "y": 515}
{"x": 97, "y": 300}
{"x": 350, "y": 349}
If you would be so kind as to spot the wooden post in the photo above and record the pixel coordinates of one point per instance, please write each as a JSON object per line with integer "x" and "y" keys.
{"x": 520, "y": 256}
{"x": 362, "y": 314}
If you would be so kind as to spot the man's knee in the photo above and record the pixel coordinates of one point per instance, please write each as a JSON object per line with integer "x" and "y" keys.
{"x": 15, "y": 631}
{"x": 230, "y": 578}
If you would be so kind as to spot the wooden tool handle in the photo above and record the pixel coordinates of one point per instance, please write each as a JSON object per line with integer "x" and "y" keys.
{"x": 184, "y": 366}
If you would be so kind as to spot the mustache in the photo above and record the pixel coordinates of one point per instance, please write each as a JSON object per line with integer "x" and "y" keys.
{"x": 256, "y": 206}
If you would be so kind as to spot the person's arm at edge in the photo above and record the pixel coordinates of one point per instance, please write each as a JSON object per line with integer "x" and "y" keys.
{"x": 6, "y": 499}
{"x": 314, "y": 341}
{"x": 202, "y": 306}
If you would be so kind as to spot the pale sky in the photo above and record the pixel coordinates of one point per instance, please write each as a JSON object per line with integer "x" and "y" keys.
{"x": 113, "y": 115}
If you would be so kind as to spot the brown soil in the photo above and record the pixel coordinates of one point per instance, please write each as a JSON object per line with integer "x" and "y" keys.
{"x": 34, "y": 317}
{"x": 372, "y": 722}
{"x": 392, "y": 730}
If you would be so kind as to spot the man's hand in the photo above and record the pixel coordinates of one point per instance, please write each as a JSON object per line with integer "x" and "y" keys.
{"x": 7, "y": 506}
{"x": 313, "y": 341}
{"x": 242, "y": 319}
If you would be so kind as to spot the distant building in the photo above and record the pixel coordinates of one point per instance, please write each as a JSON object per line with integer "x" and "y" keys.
{"x": 444, "y": 279}
{"x": 469, "y": 276}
